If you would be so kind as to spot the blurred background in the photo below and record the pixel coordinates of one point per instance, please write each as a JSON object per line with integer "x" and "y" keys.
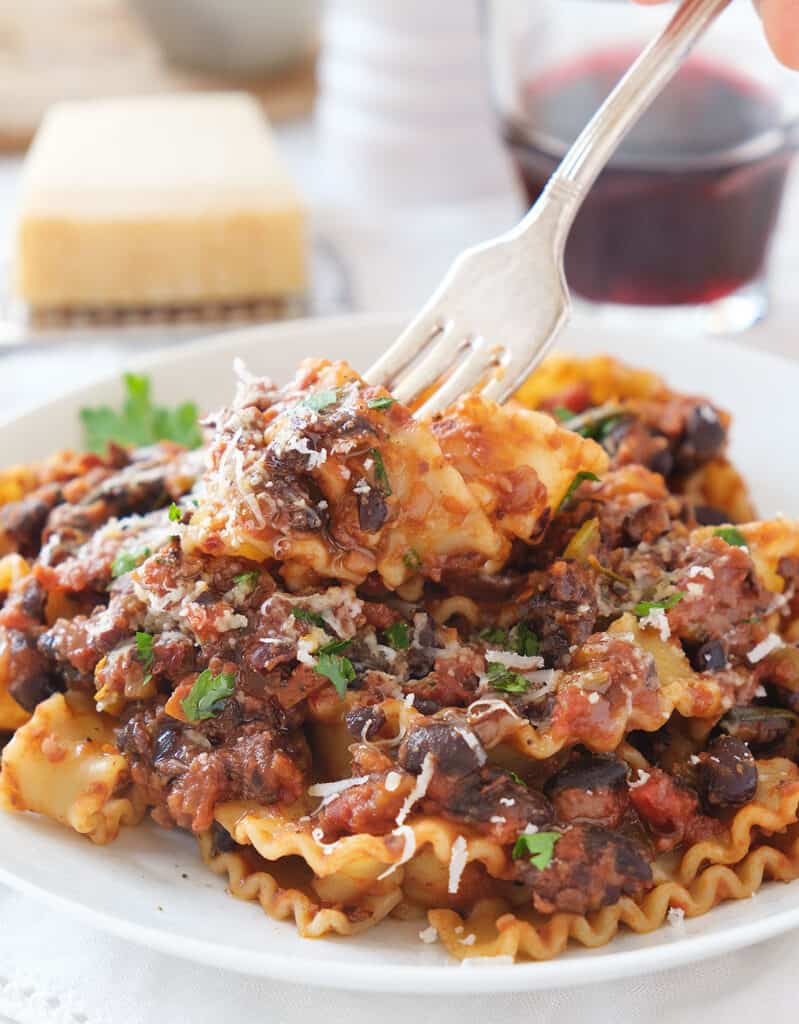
{"x": 409, "y": 131}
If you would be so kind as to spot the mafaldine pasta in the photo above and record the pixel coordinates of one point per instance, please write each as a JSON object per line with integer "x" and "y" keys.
{"x": 528, "y": 674}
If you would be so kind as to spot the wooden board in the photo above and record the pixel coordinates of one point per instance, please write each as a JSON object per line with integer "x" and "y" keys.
{"x": 78, "y": 49}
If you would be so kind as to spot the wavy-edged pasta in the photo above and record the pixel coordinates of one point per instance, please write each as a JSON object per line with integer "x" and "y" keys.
{"x": 63, "y": 764}
{"x": 526, "y": 674}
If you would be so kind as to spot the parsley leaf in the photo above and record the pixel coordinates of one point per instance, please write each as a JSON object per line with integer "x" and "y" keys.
{"x": 398, "y": 635}
{"x": 175, "y": 515}
{"x": 307, "y": 616}
{"x": 126, "y": 561}
{"x": 335, "y": 668}
{"x": 381, "y": 476}
{"x": 206, "y": 697}
{"x": 144, "y": 654}
{"x": 335, "y": 647}
{"x": 645, "y": 607}
{"x": 501, "y": 678}
{"x": 584, "y": 474}
{"x": 140, "y": 422}
{"x": 144, "y": 649}
{"x": 562, "y": 413}
{"x": 523, "y": 640}
{"x": 540, "y": 847}
{"x": 250, "y": 578}
{"x": 320, "y": 400}
{"x": 516, "y": 778}
{"x": 495, "y": 635}
{"x": 731, "y": 536}
{"x": 412, "y": 560}
{"x": 380, "y": 403}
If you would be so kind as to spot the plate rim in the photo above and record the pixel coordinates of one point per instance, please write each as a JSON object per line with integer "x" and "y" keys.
{"x": 393, "y": 977}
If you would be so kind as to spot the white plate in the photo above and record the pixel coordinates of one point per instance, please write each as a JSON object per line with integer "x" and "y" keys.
{"x": 150, "y": 885}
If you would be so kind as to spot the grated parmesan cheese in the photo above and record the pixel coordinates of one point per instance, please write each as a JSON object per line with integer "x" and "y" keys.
{"x": 230, "y": 620}
{"x": 515, "y": 661}
{"x": 676, "y": 917}
{"x": 507, "y": 801}
{"x": 530, "y": 829}
{"x": 331, "y": 789}
{"x": 656, "y": 618}
{"x": 419, "y": 788}
{"x": 771, "y": 643}
{"x": 473, "y": 742}
{"x": 429, "y": 935}
{"x": 640, "y": 779}
{"x": 408, "y": 850}
{"x": 457, "y": 863}
{"x": 469, "y": 940}
{"x": 761, "y": 692}
{"x": 393, "y": 780}
{"x": 319, "y": 837}
{"x": 497, "y": 819}
{"x": 362, "y": 487}
{"x": 695, "y": 589}
{"x": 593, "y": 697}
{"x": 701, "y": 570}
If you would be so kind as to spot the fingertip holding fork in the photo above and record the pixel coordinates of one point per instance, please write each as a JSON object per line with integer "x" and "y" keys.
{"x": 502, "y": 304}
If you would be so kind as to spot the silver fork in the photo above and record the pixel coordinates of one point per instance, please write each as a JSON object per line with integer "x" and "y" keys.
{"x": 502, "y": 304}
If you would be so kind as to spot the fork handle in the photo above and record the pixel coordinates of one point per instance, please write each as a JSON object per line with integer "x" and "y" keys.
{"x": 596, "y": 144}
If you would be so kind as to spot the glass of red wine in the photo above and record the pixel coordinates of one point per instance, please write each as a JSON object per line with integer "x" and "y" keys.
{"x": 681, "y": 219}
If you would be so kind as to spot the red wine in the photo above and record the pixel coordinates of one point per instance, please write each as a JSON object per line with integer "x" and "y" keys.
{"x": 680, "y": 215}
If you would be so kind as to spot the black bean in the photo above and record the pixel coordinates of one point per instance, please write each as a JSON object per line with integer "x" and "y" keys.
{"x": 594, "y": 773}
{"x": 420, "y": 662}
{"x": 758, "y": 726}
{"x": 372, "y": 510}
{"x": 707, "y": 515}
{"x": 453, "y": 753}
{"x": 165, "y": 743}
{"x": 710, "y": 657}
{"x": 728, "y": 773}
{"x": 703, "y": 435}
{"x": 662, "y": 462}
{"x": 222, "y": 840}
{"x": 426, "y": 707}
{"x": 365, "y": 722}
{"x": 31, "y": 678}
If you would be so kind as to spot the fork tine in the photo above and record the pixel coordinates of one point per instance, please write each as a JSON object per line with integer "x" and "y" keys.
{"x": 505, "y": 384}
{"x": 413, "y": 340}
{"x": 475, "y": 365}
{"x": 431, "y": 368}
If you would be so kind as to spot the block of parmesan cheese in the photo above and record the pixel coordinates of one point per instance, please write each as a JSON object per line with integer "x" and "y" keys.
{"x": 157, "y": 201}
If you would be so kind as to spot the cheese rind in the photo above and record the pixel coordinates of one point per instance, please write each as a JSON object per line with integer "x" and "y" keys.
{"x": 157, "y": 201}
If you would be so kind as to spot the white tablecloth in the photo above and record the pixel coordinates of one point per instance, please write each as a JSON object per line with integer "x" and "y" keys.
{"x": 54, "y": 971}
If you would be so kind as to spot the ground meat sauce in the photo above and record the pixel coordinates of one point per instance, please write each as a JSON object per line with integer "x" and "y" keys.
{"x": 116, "y": 605}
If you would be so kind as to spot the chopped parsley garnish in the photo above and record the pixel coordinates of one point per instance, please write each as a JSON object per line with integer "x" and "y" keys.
{"x": 412, "y": 560}
{"x": 520, "y": 639}
{"x": 399, "y": 636}
{"x": 337, "y": 669}
{"x": 175, "y": 515}
{"x": 144, "y": 653}
{"x": 584, "y": 474}
{"x": 731, "y": 535}
{"x": 126, "y": 561}
{"x": 523, "y": 640}
{"x": 516, "y": 778}
{"x": 538, "y": 846}
{"x": 502, "y": 678}
{"x": 140, "y": 422}
{"x": 304, "y": 615}
{"x": 206, "y": 697}
{"x": 381, "y": 476}
{"x": 250, "y": 578}
{"x": 335, "y": 647}
{"x": 380, "y": 403}
{"x": 645, "y": 607}
{"x": 320, "y": 400}
{"x": 562, "y": 413}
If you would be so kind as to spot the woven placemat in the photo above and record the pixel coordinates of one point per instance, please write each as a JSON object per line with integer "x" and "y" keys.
{"x": 78, "y": 49}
